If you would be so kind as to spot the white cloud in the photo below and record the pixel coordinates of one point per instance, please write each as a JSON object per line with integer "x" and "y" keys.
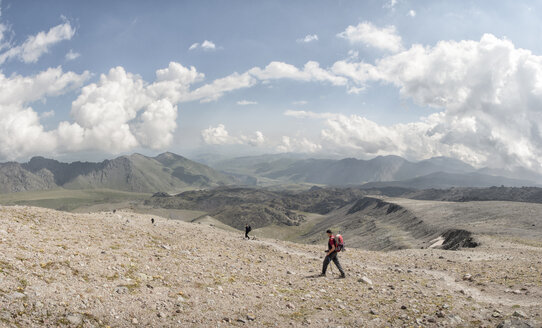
{"x": 37, "y": 45}
{"x": 220, "y": 136}
{"x": 412, "y": 13}
{"x": 205, "y": 45}
{"x": 208, "y": 45}
{"x": 21, "y": 132}
{"x": 257, "y": 140}
{"x": 297, "y": 145}
{"x": 311, "y": 72}
{"x": 300, "y": 102}
{"x": 382, "y": 38}
{"x": 71, "y": 55}
{"x": 246, "y": 102}
{"x": 308, "y": 38}
{"x": 217, "y": 88}
{"x": 217, "y": 136}
{"x": 487, "y": 94}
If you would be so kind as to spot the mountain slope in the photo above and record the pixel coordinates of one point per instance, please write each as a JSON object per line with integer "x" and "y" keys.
{"x": 136, "y": 173}
{"x": 88, "y": 270}
{"x": 14, "y": 178}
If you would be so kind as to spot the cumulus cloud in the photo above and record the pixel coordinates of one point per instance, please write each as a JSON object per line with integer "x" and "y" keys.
{"x": 382, "y": 38}
{"x": 220, "y": 136}
{"x": 37, "y": 45}
{"x": 246, "y": 102}
{"x": 308, "y": 38}
{"x": 71, "y": 55}
{"x": 217, "y": 136}
{"x": 412, "y": 13}
{"x": 297, "y": 145}
{"x": 21, "y": 132}
{"x": 486, "y": 95}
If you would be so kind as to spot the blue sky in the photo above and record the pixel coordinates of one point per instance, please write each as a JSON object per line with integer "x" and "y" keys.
{"x": 91, "y": 80}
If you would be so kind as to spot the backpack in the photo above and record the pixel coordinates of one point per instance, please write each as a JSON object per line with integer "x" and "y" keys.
{"x": 339, "y": 243}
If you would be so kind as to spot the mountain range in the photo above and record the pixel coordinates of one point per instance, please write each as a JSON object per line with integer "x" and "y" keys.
{"x": 437, "y": 172}
{"x": 137, "y": 173}
{"x": 173, "y": 173}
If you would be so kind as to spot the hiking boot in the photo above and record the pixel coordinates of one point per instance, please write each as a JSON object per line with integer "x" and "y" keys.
{"x": 342, "y": 276}
{"x": 322, "y": 275}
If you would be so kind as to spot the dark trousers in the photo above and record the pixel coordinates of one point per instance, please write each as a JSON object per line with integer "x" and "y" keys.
{"x": 246, "y": 235}
{"x": 332, "y": 257}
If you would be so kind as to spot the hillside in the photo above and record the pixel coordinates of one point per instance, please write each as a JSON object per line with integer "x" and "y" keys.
{"x": 135, "y": 173}
{"x": 259, "y": 207}
{"x": 119, "y": 270}
{"x": 372, "y": 222}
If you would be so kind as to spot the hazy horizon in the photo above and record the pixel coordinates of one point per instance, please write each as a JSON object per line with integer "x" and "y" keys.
{"x": 336, "y": 79}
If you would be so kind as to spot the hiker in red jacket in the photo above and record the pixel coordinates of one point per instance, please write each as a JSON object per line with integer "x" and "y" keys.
{"x": 331, "y": 255}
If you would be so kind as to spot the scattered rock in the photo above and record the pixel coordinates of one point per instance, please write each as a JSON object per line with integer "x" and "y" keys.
{"x": 514, "y": 323}
{"x": 290, "y": 306}
{"x": 135, "y": 321}
{"x": 467, "y": 277}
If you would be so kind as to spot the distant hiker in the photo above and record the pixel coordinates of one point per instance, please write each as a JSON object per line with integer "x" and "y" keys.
{"x": 247, "y": 230}
{"x": 114, "y": 211}
{"x": 331, "y": 255}
{"x": 152, "y": 220}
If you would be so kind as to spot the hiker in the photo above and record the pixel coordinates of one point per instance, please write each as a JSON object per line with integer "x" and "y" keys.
{"x": 331, "y": 255}
{"x": 247, "y": 230}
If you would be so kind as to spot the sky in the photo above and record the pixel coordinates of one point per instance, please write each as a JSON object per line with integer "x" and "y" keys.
{"x": 88, "y": 80}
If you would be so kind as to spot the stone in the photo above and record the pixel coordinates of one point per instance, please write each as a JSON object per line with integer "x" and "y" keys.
{"x": 17, "y": 295}
{"x": 467, "y": 277}
{"x": 365, "y": 280}
{"x": 519, "y": 314}
{"x": 75, "y": 319}
{"x": 135, "y": 321}
{"x": 513, "y": 323}
{"x": 161, "y": 315}
{"x": 121, "y": 290}
{"x": 373, "y": 311}
{"x": 290, "y": 306}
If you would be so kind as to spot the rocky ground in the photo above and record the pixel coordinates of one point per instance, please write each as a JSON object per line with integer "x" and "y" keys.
{"x": 120, "y": 270}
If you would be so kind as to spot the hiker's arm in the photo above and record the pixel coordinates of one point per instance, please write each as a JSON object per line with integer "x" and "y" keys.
{"x": 331, "y": 250}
